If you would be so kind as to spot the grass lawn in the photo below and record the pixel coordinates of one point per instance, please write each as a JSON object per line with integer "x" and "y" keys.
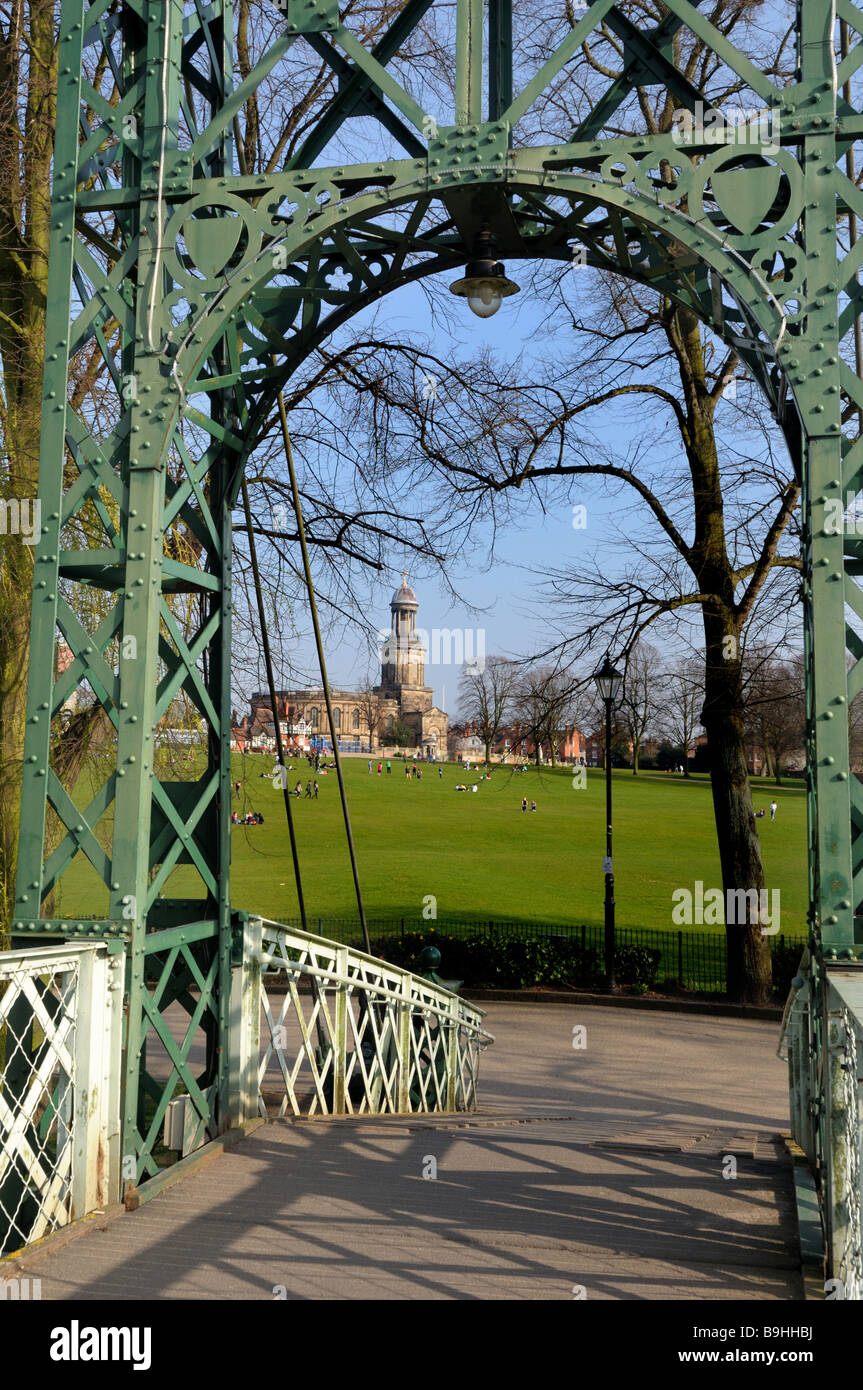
{"x": 478, "y": 854}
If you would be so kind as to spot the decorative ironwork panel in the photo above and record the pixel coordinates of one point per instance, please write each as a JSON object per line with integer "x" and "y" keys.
{"x": 351, "y": 1035}
{"x": 60, "y": 1026}
{"x": 846, "y": 1232}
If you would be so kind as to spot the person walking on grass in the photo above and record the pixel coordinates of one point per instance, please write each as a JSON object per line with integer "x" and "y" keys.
{"x": 773, "y": 809}
{"x": 309, "y": 790}
{"x": 316, "y": 791}
{"x": 389, "y": 769}
{"x": 524, "y": 803}
{"x": 370, "y": 767}
{"x": 440, "y": 772}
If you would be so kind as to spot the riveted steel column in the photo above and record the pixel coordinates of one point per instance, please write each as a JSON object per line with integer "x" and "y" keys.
{"x": 499, "y": 57}
{"x": 468, "y": 70}
{"x": 46, "y": 558}
{"x": 813, "y": 365}
{"x": 152, "y": 397}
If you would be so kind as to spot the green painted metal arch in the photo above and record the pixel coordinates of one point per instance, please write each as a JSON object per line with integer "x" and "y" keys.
{"x": 700, "y": 240}
{"x": 174, "y": 284}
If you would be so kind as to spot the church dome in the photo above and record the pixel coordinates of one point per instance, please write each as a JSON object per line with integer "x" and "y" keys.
{"x": 404, "y": 595}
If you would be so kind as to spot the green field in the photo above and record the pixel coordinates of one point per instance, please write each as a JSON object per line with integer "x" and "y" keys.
{"x": 478, "y": 854}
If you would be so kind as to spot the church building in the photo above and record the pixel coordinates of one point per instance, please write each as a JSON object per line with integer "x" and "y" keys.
{"x": 363, "y": 720}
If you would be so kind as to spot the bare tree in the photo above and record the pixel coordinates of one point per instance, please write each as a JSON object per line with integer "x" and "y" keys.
{"x": 543, "y": 698}
{"x": 372, "y": 712}
{"x": 640, "y": 702}
{"x": 485, "y": 697}
{"x": 775, "y": 708}
{"x": 682, "y": 695}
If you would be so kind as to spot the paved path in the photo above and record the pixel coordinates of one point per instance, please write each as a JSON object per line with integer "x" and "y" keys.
{"x": 598, "y": 1169}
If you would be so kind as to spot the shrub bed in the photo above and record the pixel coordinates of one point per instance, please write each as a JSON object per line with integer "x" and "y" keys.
{"x": 510, "y": 963}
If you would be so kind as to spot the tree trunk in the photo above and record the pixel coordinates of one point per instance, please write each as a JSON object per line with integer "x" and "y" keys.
{"x": 749, "y": 964}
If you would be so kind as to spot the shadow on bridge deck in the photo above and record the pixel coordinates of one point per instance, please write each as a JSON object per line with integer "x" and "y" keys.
{"x": 605, "y": 1169}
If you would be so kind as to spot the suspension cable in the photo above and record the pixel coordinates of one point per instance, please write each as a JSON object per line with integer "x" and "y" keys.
{"x": 310, "y": 589}
{"x": 268, "y": 662}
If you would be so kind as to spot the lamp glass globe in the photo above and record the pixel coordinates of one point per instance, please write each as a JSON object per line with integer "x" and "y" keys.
{"x": 484, "y": 300}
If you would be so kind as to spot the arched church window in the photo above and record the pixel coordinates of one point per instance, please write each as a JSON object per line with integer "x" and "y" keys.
{"x": 355, "y": 719}
{"x": 313, "y": 716}
{"x": 337, "y": 718}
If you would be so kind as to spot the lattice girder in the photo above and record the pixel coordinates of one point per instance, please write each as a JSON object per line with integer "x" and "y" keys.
{"x": 203, "y": 285}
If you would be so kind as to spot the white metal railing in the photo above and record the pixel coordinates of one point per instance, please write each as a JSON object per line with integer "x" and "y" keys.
{"x": 823, "y": 1032}
{"x": 60, "y": 1039}
{"x": 796, "y": 1039}
{"x": 843, "y": 1107}
{"x": 346, "y": 1033}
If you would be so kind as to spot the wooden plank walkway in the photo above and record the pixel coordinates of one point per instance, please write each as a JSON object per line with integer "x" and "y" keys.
{"x": 604, "y": 1170}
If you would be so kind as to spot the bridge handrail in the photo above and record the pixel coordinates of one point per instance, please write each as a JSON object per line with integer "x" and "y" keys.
{"x": 799, "y": 982}
{"x": 370, "y": 1038}
{"x": 439, "y": 998}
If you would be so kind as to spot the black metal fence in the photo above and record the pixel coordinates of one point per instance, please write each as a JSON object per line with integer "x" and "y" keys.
{"x": 691, "y": 960}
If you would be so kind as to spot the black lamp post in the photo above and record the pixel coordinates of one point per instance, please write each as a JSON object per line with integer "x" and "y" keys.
{"x": 608, "y": 682}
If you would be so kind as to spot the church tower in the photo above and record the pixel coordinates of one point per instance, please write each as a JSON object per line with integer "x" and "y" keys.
{"x": 403, "y": 665}
{"x": 407, "y": 699}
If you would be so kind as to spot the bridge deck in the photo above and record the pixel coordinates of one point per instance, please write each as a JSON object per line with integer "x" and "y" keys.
{"x": 600, "y": 1168}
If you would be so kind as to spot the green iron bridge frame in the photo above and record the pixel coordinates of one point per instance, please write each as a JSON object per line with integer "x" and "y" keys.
{"x": 201, "y": 286}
